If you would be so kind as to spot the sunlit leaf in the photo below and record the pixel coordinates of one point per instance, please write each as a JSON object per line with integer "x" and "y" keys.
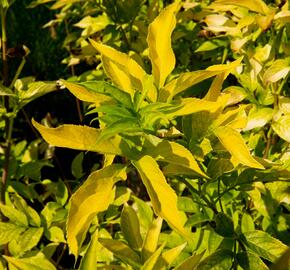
{"x": 163, "y": 197}
{"x": 151, "y": 239}
{"x": 92, "y": 197}
{"x": 122, "y": 69}
{"x": 9, "y": 231}
{"x": 79, "y": 137}
{"x": 15, "y": 216}
{"x": 264, "y": 245}
{"x": 190, "y": 263}
{"x": 234, "y": 143}
{"x": 37, "y": 262}
{"x": 177, "y": 154}
{"x": 282, "y": 127}
{"x": 277, "y": 71}
{"x": 258, "y": 6}
{"x": 159, "y": 43}
{"x": 151, "y": 262}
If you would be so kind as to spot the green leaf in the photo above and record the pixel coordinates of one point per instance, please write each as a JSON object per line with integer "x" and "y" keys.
{"x": 234, "y": 143}
{"x": 130, "y": 227}
{"x": 85, "y": 94}
{"x": 37, "y": 262}
{"x": 14, "y": 215}
{"x": 122, "y": 251}
{"x": 55, "y": 234}
{"x": 224, "y": 225}
{"x": 264, "y": 245}
{"x": 190, "y": 263}
{"x": 163, "y": 197}
{"x": 151, "y": 240}
{"x": 107, "y": 89}
{"x": 5, "y": 91}
{"x": 220, "y": 260}
{"x": 34, "y": 91}
{"x": 177, "y": 154}
{"x": 159, "y": 43}
{"x": 9, "y": 231}
{"x": 247, "y": 223}
{"x": 79, "y": 138}
{"x": 89, "y": 260}
{"x": 92, "y": 197}
{"x": 250, "y": 261}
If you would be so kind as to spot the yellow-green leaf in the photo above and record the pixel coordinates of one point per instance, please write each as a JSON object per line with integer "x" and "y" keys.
{"x": 151, "y": 240}
{"x": 190, "y": 263}
{"x": 189, "y": 79}
{"x": 159, "y": 43}
{"x": 151, "y": 262}
{"x": 122, "y": 69}
{"x": 163, "y": 197}
{"x": 79, "y": 138}
{"x": 122, "y": 251}
{"x": 234, "y": 143}
{"x": 258, "y": 6}
{"x": 175, "y": 153}
{"x": 84, "y": 94}
{"x": 92, "y": 197}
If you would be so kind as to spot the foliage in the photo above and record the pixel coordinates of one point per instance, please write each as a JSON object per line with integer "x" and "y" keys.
{"x": 193, "y": 165}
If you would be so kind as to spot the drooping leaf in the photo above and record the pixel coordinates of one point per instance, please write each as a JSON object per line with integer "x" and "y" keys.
{"x": 79, "y": 138}
{"x": 234, "y": 143}
{"x": 163, "y": 197}
{"x": 121, "y": 68}
{"x": 92, "y": 197}
{"x": 89, "y": 260}
{"x": 177, "y": 154}
{"x": 37, "y": 262}
{"x": 220, "y": 260}
{"x": 130, "y": 227}
{"x": 122, "y": 251}
{"x": 151, "y": 240}
{"x": 159, "y": 43}
{"x": 250, "y": 261}
{"x": 264, "y": 245}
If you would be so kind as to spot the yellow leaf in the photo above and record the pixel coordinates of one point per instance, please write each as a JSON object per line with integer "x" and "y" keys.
{"x": 215, "y": 88}
{"x": 159, "y": 43}
{"x": 175, "y": 153}
{"x": 258, "y": 6}
{"x": 121, "y": 68}
{"x": 234, "y": 143}
{"x": 79, "y": 138}
{"x": 193, "y": 105}
{"x": 163, "y": 197}
{"x": 92, "y": 197}
{"x": 189, "y": 79}
{"x": 84, "y": 94}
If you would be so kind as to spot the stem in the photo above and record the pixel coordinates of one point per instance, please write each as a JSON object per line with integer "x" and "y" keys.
{"x": 219, "y": 197}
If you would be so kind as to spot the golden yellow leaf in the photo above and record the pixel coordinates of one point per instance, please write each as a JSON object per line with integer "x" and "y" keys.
{"x": 163, "y": 197}
{"x": 79, "y": 138}
{"x": 92, "y": 197}
{"x": 159, "y": 43}
{"x": 234, "y": 143}
{"x": 125, "y": 72}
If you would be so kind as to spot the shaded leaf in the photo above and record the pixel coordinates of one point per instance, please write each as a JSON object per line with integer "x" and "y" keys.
{"x": 250, "y": 261}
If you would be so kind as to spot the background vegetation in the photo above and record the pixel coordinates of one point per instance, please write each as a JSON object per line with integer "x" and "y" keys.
{"x": 172, "y": 146}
